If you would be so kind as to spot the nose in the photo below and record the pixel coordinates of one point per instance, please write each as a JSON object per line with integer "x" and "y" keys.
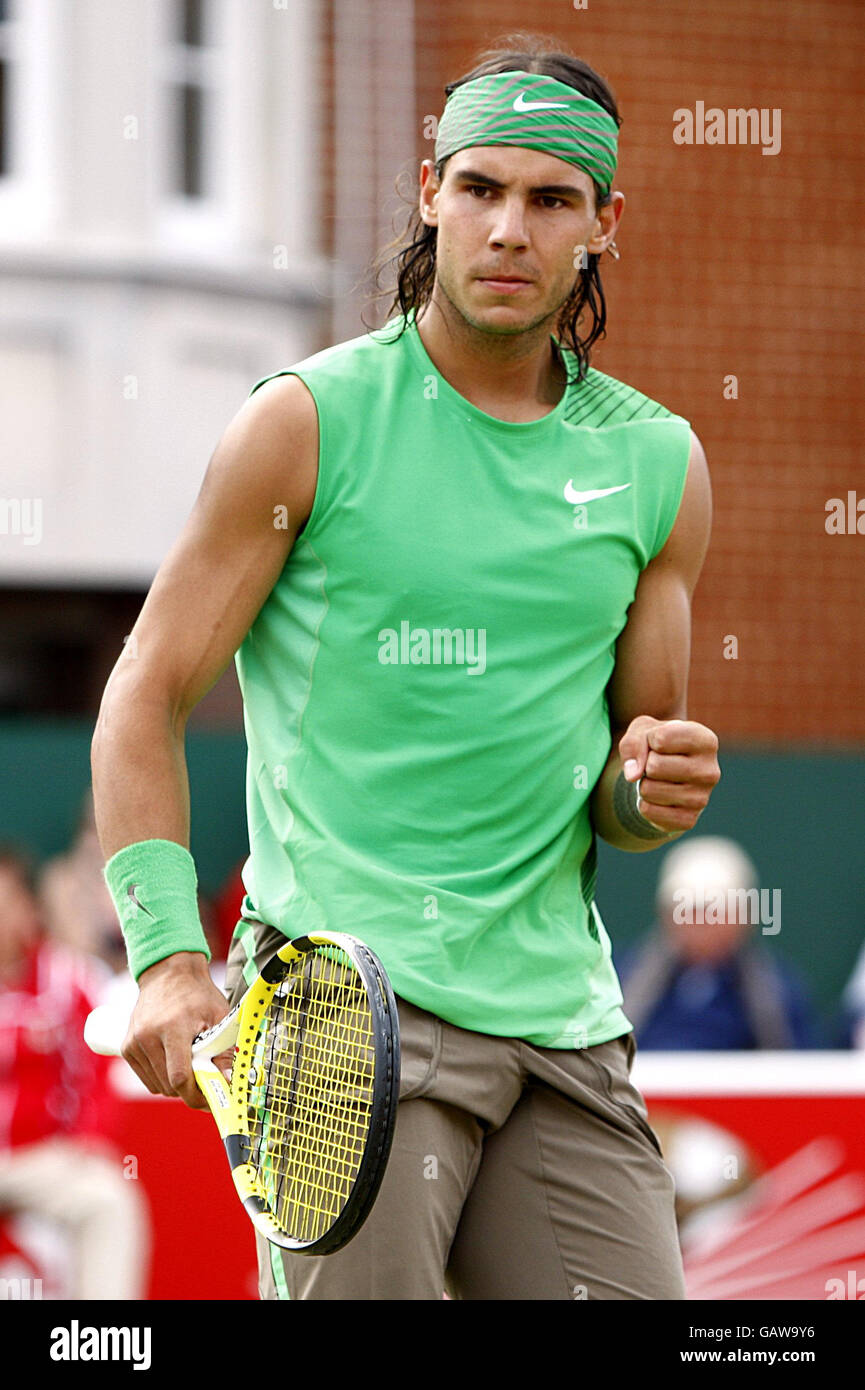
{"x": 509, "y": 224}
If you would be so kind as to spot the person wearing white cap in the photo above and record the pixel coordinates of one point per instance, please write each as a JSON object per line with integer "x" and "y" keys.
{"x": 702, "y": 981}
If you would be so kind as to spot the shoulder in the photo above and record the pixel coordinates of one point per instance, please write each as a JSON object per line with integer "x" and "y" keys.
{"x": 272, "y": 439}
{"x": 278, "y": 398}
{"x": 688, "y": 541}
{"x": 350, "y": 358}
{"x": 600, "y": 401}
{"x": 663, "y": 447}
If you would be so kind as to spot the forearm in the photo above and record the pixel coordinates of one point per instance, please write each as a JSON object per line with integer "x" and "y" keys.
{"x": 141, "y": 800}
{"x": 140, "y": 782}
{"x": 614, "y": 812}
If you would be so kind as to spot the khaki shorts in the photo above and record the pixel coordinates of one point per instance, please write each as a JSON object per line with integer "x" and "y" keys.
{"x": 517, "y": 1172}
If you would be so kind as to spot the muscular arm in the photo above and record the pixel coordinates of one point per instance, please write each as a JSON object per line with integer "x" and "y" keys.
{"x": 675, "y": 760}
{"x": 203, "y": 601}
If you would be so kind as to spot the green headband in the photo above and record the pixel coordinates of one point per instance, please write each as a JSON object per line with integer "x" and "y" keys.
{"x": 537, "y": 112}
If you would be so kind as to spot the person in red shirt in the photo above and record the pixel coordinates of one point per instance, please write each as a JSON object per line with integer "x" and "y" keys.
{"x": 55, "y": 1102}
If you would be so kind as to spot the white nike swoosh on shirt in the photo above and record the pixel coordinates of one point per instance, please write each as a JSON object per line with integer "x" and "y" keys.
{"x": 520, "y": 104}
{"x": 572, "y": 495}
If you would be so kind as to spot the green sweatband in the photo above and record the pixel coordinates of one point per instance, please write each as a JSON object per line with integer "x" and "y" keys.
{"x": 155, "y": 891}
{"x": 537, "y": 112}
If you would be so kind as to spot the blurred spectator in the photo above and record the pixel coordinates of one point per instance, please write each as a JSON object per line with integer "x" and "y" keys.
{"x": 77, "y": 905}
{"x": 704, "y": 984}
{"x": 853, "y": 1006}
{"x": 54, "y": 1159}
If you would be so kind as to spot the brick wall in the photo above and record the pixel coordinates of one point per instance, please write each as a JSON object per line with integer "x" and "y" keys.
{"x": 736, "y": 263}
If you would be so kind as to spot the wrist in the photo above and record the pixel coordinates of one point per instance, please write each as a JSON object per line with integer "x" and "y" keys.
{"x": 154, "y": 887}
{"x": 178, "y": 963}
{"x": 626, "y": 796}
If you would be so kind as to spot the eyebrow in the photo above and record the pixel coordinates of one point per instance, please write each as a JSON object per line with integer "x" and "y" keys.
{"x": 556, "y": 190}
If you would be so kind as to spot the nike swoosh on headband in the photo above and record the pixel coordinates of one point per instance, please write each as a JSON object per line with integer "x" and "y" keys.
{"x": 572, "y": 495}
{"x": 520, "y": 104}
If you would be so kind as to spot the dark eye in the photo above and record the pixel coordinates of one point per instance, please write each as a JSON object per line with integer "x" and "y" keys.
{"x": 548, "y": 198}
{"x": 478, "y": 188}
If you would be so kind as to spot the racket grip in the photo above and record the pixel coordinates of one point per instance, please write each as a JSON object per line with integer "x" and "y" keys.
{"x": 105, "y": 1029}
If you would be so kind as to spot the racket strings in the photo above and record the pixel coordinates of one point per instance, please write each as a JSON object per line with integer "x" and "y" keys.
{"x": 311, "y": 1090}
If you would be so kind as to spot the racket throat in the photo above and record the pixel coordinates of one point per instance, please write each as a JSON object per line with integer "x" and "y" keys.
{"x": 238, "y": 1150}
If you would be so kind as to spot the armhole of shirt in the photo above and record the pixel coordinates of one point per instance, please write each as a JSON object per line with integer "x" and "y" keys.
{"x": 318, "y": 501}
{"x": 670, "y": 511}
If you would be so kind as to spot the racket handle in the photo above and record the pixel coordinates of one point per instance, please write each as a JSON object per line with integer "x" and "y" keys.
{"x": 105, "y": 1030}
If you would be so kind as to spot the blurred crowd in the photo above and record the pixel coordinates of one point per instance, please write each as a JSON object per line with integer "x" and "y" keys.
{"x": 701, "y": 977}
{"x": 74, "y": 1222}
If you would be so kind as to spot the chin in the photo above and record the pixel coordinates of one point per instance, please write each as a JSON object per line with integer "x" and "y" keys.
{"x": 505, "y": 317}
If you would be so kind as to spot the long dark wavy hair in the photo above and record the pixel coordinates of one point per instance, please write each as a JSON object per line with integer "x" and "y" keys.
{"x": 414, "y": 252}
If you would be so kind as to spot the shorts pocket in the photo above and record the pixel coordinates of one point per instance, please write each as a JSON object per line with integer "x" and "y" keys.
{"x": 420, "y": 1041}
{"x": 613, "y": 1060}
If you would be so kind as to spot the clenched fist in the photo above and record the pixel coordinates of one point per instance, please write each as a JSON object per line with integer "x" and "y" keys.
{"x": 675, "y": 765}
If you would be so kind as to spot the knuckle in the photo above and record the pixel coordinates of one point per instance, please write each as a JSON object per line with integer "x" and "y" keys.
{"x": 178, "y": 1078}
{"x": 134, "y": 1044}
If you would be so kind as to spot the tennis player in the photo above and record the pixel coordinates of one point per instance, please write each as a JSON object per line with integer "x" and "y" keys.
{"x": 455, "y": 563}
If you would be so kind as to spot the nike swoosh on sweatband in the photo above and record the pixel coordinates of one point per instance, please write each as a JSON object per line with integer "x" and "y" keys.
{"x": 155, "y": 890}
{"x": 537, "y": 112}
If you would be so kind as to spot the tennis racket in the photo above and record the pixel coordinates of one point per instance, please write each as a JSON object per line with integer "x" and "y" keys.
{"x": 307, "y": 1117}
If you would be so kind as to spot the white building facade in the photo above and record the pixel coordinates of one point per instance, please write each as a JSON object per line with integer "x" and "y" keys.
{"x": 162, "y": 246}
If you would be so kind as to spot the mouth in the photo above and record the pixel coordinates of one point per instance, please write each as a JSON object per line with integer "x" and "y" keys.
{"x": 505, "y": 284}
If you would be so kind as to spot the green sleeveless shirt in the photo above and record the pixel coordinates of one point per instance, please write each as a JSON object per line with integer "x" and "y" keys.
{"x": 424, "y": 688}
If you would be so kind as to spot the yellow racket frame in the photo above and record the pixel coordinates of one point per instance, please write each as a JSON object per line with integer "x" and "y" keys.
{"x": 228, "y": 1100}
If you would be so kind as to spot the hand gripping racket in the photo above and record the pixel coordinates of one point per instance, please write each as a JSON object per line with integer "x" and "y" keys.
{"x": 307, "y": 1118}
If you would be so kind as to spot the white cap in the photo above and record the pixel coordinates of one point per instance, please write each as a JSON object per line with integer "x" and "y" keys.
{"x": 707, "y": 862}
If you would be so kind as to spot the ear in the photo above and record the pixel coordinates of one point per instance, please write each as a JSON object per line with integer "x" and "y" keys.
{"x": 606, "y": 224}
{"x": 429, "y": 190}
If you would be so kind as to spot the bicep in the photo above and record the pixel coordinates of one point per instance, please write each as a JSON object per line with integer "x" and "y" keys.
{"x": 256, "y": 494}
{"x": 653, "y": 650}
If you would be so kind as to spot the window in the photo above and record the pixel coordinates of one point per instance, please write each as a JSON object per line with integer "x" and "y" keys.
{"x": 31, "y": 52}
{"x": 192, "y": 71}
{"x": 8, "y": 43}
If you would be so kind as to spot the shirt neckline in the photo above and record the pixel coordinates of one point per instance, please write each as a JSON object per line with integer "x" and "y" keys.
{"x": 544, "y": 424}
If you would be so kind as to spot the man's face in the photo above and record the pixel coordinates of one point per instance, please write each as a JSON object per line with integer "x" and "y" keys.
{"x": 512, "y": 224}
{"x": 707, "y": 943}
